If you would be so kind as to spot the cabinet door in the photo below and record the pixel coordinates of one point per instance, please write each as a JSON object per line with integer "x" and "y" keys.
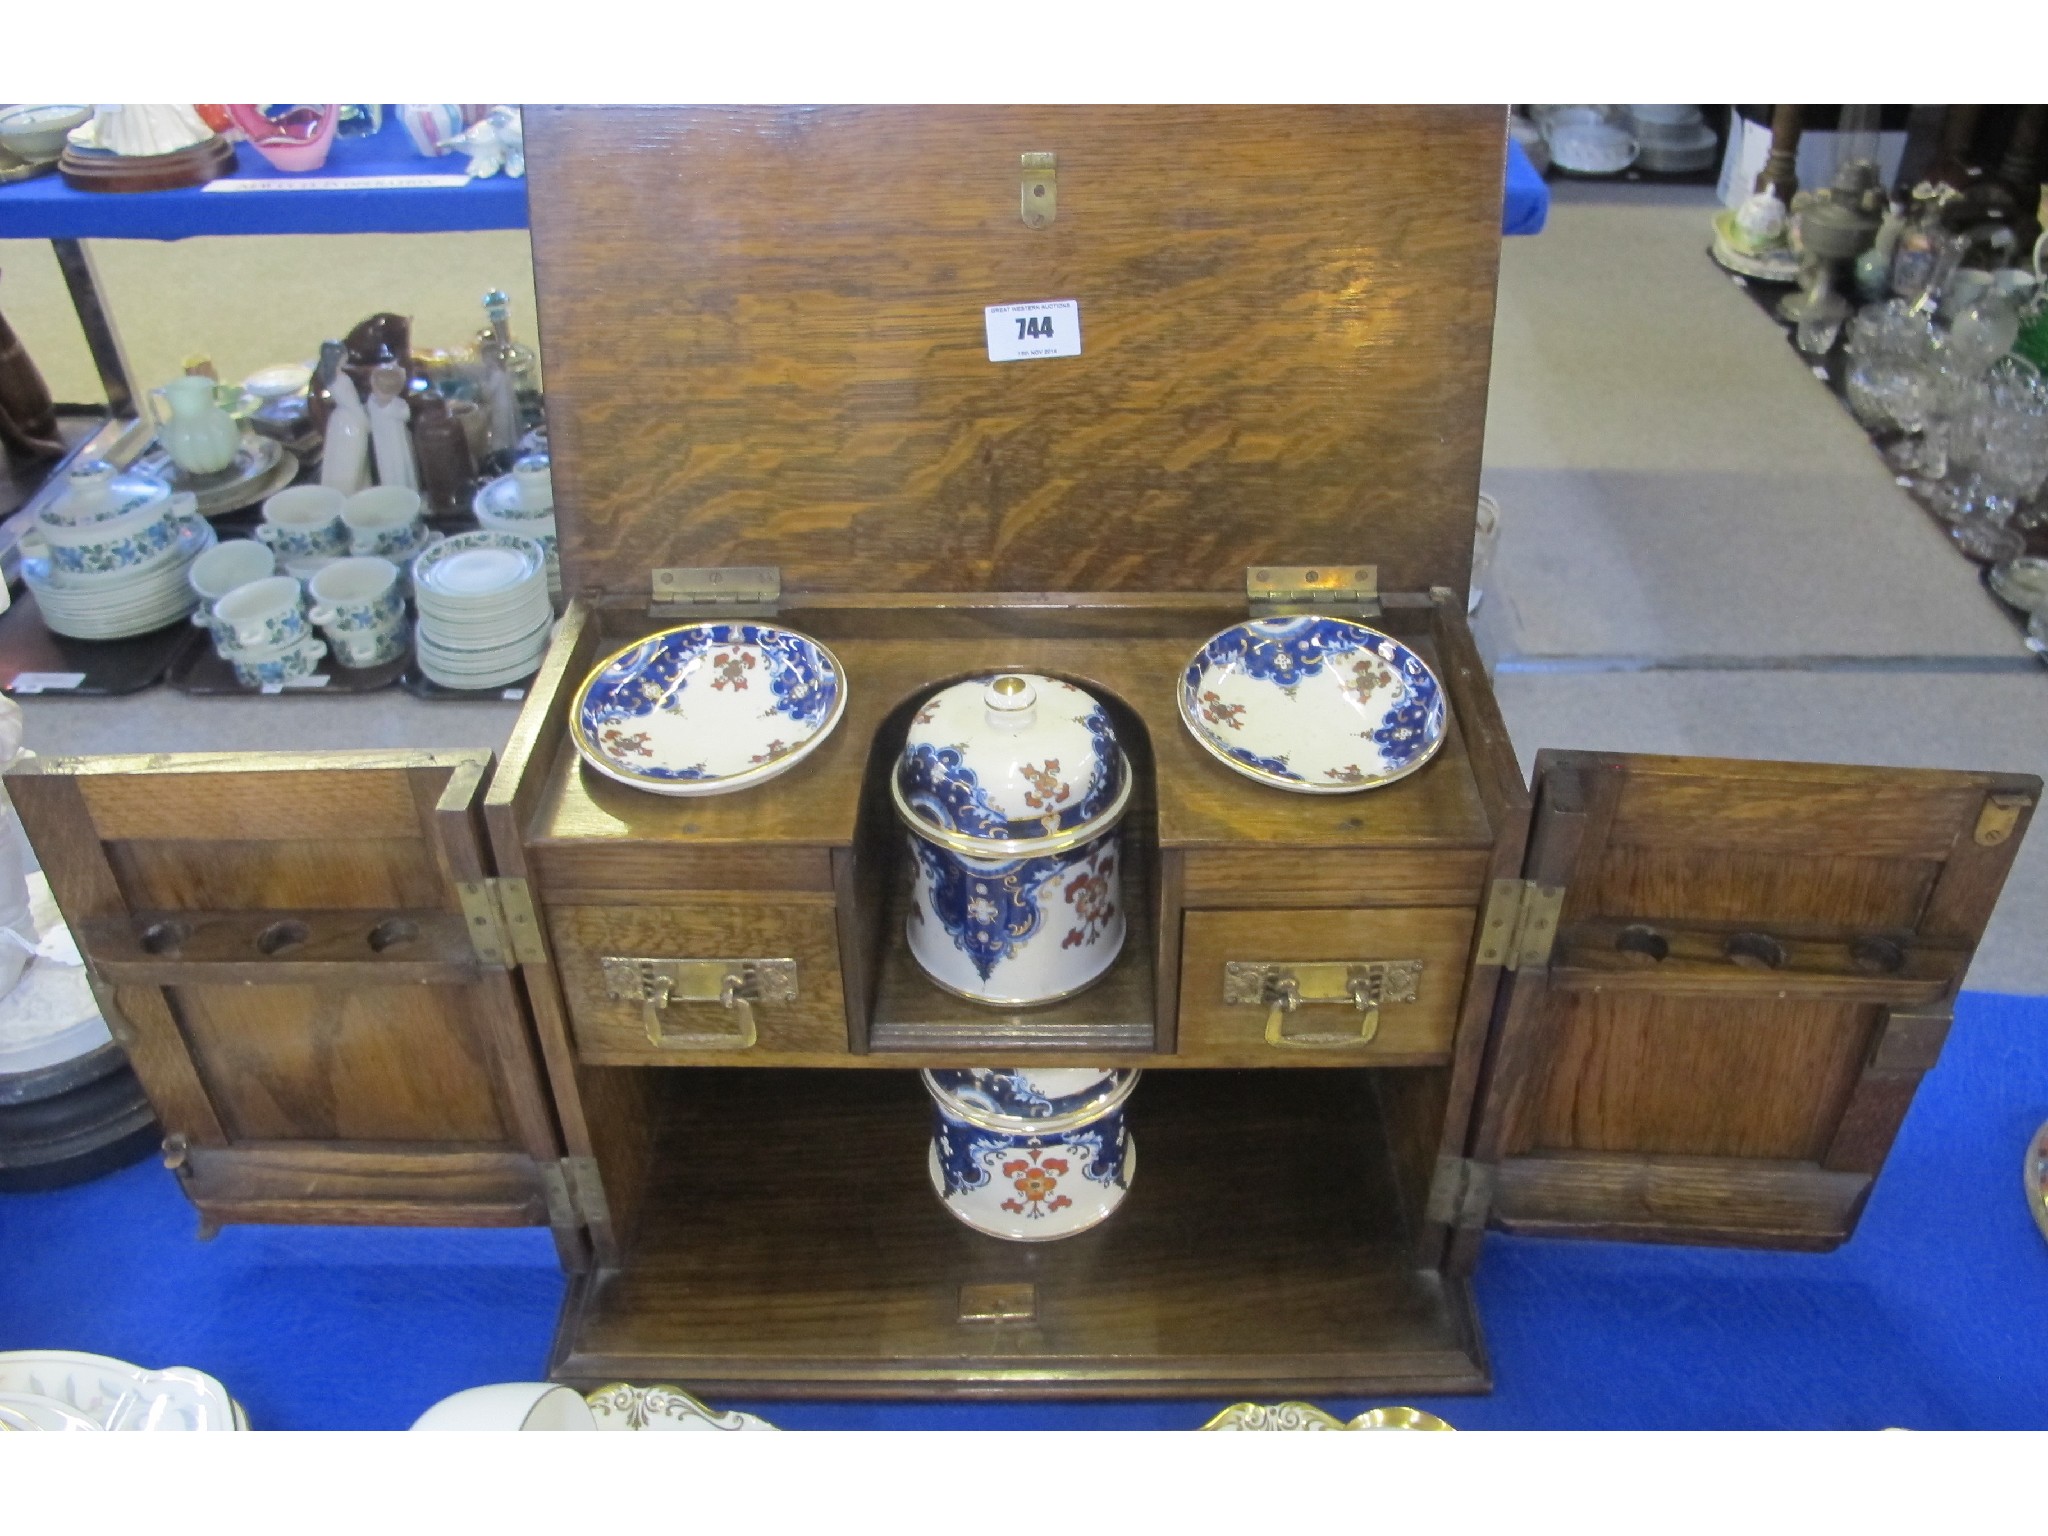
{"x": 1753, "y": 965}
{"x": 279, "y": 941}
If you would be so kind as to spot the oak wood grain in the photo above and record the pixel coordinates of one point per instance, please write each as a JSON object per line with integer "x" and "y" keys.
{"x": 308, "y": 1063}
{"x": 1294, "y": 1274}
{"x": 426, "y": 1187}
{"x": 768, "y": 323}
{"x": 1710, "y": 1201}
{"x": 1697, "y": 1076}
{"x": 1214, "y": 1032}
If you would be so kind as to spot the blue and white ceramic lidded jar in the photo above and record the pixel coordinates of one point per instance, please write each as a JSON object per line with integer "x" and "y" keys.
{"x": 1031, "y": 1154}
{"x": 1012, "y": 787}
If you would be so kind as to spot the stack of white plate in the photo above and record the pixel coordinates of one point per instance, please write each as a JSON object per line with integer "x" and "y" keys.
{"x": 484, "y": 609}
{"x": 113, "y": 604}
{"x": 1672, "y": 139}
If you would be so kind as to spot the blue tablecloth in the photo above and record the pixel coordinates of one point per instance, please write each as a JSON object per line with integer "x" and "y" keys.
{"x": 46, "y": 209}
{"x": 1527, "y": 201}
{"x": 1930, "y": 1318}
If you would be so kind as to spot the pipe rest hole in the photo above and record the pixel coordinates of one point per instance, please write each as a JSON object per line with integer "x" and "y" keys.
{"x": 392, "y": 933}
{"x": 280, "y": 938}
{"x": 1759, "y": 951}
{"x": 1639, "y": 939}
{"x": 1877, "y": 956}
{"x": 164, "y": 938}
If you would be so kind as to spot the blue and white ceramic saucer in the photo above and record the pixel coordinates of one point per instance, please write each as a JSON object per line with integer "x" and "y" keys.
{"x": 707, "y": 708}
{"x": 1319, "y": 706}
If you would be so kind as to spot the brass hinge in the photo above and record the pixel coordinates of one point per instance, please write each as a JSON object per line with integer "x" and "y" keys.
{"x": 1519, "y": 925}
{"x": 1461, "y": 1194}
{"x": 714, "y": 592}
{"x": 1350, "y": 591}
{"x": 503, "y": 929}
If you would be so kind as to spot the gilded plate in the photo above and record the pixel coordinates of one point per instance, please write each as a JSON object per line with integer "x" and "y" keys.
{"x": 708, "y": 708}
{"x": 1318, "y": 706}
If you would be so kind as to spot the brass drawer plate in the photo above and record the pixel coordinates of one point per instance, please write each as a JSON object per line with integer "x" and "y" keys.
{"x": 1282, "y": 987}
{"x": 735, "y": 985}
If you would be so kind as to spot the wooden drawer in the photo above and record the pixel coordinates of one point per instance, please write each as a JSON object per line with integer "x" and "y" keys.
{"x": 614, "y": 1031}
{"x": 1216, "y": 1033}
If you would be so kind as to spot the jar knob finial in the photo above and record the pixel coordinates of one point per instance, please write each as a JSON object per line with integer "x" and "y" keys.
{"x": 1010, "y": 702}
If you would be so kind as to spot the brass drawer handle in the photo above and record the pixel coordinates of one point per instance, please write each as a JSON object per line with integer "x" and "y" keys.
{"x": 737, "y": 986}
{"x": 1282, "y": 987}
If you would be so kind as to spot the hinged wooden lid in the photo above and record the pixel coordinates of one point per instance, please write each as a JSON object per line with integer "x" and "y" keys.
{"x": 764, "y": 344}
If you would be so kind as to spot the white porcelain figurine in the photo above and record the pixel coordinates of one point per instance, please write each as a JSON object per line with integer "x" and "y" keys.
{"x": 390, "y": 437}
{"x": 345, "y": 461}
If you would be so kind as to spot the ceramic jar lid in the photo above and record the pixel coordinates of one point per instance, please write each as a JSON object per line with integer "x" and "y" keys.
{"x": 1009, "y": 765}
{"x": 97, "y": 492}
{"x": 1030, "y": 1100}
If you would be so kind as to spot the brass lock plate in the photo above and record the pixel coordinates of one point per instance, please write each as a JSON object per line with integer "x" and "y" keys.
{"x": 639, "y": 979}
{"x": 1038, "y": 175}
{"x": 1256, "y": 982}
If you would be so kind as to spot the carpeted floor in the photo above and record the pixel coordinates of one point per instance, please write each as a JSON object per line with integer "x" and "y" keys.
{"x": 1930, "y": 1318}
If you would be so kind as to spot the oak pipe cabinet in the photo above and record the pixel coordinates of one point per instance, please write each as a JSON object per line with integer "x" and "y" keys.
{"x": 1662, "y": 999}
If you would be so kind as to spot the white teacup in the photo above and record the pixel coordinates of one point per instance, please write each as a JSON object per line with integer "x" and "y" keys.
{"x": 265, "y": 615}
{"x": 372, "y": 648}
{"x": 533, "y": 485}
{"x": 229, "y": 564}
{"x": 279, "y": 665}
{"x": 304, "y": 523}
{"x": 386, "y": 520}
{"x": 359, "y": 595}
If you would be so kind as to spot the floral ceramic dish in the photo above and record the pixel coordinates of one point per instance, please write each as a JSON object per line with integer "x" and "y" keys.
{"x": 1239, "y": 1417}
{"x": 1319, "y": 706}
{"x": 703, "y": 709}
{"x": 112, "y": 1394}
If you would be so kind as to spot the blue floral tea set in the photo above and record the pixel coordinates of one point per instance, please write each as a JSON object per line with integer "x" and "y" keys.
{"x": 1011, "y": 788}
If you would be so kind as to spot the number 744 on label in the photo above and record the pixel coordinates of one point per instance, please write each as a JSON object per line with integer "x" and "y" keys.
{"x": 1050, "y": 328}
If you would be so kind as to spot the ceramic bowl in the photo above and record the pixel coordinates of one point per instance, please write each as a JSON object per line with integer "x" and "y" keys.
{"x": 386, "y": 520}
{"x": 283, "y": 665}
{"x": 372, "y": 648}
{"x": 37, "y": 133}
{"x": 115, "y": 1395}
{"x": 228, "y": 565}
{"x": 1665, "y": 116}
{"x": 530, "y": 1405}
{"x": 280, "y": 381}
{"x": 304, "y": 523}
{"x": 1592, "y": 149}
{"x": 707, "y": 708}
{"x": 527, "y": 492}
{"x": 261, "y": 617}
{"x": 357, "y": 595}
{"x": 1315, "y": 705}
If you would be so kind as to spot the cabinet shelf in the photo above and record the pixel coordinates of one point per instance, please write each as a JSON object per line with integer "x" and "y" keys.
{"x": 791, "y": 1245}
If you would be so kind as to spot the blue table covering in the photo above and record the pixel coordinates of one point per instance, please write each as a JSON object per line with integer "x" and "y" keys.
{"x": 46, "y": 209}
{"x": 1929, "y": 1318}
{"x": 1527, "y": 201}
